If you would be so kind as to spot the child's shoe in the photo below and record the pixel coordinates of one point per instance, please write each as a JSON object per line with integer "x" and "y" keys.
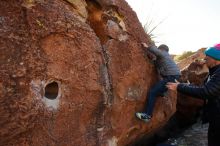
{"x": 143, "y": 116}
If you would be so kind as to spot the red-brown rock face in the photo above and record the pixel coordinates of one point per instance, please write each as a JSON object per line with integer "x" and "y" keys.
{"x": 195, "y": 73}
{"x": 187, "y": 61}
{"x": 73, "y": 73}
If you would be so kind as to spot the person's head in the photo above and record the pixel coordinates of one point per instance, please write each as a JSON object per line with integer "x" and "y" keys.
{"x": 164, "y": 47}
{"x": 212, "y": 56}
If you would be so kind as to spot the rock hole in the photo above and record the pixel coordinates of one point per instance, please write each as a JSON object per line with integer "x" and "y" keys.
{"x": 51, "y": 90}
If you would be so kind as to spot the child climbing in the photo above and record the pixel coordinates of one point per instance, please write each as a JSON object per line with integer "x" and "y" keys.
{"x": 169, "y": 72}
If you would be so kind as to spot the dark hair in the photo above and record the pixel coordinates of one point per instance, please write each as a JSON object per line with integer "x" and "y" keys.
{"x": 164, "y": 47}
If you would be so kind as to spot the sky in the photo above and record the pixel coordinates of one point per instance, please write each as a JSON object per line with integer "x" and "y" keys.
{"x": 186, "y": 25}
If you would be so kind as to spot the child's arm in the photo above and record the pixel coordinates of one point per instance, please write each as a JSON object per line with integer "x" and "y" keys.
{"x": 153, "y": 49}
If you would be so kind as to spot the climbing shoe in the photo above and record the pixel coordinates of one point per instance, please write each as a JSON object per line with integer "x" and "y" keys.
{"x": 143, "y": 116}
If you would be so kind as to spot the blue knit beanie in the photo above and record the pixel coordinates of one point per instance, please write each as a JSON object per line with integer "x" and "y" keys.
{"x": 213, "y": 52}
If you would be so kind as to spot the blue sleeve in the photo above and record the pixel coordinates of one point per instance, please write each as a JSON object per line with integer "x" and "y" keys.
{"x": 155, "y": 51}
{"x": 210, "y": 89}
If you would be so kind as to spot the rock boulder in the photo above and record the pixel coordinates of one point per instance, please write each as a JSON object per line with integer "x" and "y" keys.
{"x": 73, "y": 73}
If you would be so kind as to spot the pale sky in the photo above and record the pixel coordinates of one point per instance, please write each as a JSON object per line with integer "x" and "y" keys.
{"x": 188, "y": 24}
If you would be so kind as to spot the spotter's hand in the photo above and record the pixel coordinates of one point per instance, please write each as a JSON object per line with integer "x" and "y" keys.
{"x": 172, "y": 86}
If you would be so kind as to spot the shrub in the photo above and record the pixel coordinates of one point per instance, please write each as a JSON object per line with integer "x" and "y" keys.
{"x": 183, "y": 56}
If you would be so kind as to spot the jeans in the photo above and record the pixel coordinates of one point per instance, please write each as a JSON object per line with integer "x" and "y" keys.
{"x": 158, "y": 89}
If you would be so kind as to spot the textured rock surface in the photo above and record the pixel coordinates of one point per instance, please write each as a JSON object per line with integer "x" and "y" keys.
{"x": 73, "y": 73}
{"x": 195, "y": 73}
{"x": 187, "y": 61}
